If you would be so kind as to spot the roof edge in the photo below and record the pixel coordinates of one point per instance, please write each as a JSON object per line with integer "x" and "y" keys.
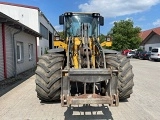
{"x": 151, "y": 29}
{"x": 19, "y": 5}
{"x": 148, "y": 37}
{"x": 17, "y": 25}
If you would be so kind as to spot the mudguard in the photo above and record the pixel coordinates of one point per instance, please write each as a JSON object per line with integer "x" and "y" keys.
{"x": 56, "y": 50}
{"x": 108, "y": 51}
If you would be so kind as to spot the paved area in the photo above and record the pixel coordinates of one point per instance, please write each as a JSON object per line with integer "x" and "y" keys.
{"x": 21, "y": 103}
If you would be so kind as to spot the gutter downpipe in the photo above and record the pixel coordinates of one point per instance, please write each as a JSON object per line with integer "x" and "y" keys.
{"x": 14, "y": 52}
{"x": 36, "y": 50}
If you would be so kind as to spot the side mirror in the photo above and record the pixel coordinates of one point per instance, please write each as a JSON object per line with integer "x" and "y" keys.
{"x": 61, "y": 20}
{"x": 101, "y": 20}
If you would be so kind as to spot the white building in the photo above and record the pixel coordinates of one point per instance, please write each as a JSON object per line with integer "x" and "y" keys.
{"x": 18, "y": 47}
{"x": 151, "y": 38}
{"x": 33, "y": 18}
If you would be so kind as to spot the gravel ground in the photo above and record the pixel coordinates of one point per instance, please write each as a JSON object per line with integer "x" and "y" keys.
{"x": 21, "y": 103}
{"x": 12, "y": 82}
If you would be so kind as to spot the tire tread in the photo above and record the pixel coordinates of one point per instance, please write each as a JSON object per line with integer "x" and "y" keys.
{"x": 48, "y": 76}
{"x": 125, "y": 77}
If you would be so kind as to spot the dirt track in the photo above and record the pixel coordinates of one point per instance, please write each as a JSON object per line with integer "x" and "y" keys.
{"x": 19, "y": 101}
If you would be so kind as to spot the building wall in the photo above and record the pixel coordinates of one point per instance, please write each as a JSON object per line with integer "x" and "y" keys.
{"x": 31, "y": 18}
{"x": 1, "y": 56}
{"x": 151, "y": 45}
{"x": 26, "y": 64}
{"x": 46, "y": 23}
{"x": 25, "y": 39}
{"x": 154, "y": 41}
{"x": 44, "y": 43}
{"x": 26, "y": 16}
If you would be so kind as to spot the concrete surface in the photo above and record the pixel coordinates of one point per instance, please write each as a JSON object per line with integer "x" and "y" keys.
{"x": 21, "y": 102}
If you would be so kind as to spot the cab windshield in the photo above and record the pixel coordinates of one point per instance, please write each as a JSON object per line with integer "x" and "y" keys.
{"x": 74, "y": 25}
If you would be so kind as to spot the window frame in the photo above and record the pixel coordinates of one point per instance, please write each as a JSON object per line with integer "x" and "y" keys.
{"x": 30, "y": 51}
{"x": 19, "y": 45}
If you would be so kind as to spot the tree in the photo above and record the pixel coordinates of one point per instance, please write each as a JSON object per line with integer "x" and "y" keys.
{"x": 125, "y": 35}
{"x": 61, "y": 34}
{"x": 102, "y": 38}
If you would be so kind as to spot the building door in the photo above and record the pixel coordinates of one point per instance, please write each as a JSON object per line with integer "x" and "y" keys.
{"x": 50, "y": 40}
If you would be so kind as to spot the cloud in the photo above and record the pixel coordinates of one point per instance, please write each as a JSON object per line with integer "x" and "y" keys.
{"x": 157, "y": 23}
{"x": 58, "y": 28}
{"x": 112, "y": 23}
{"x": 113, "y": 8}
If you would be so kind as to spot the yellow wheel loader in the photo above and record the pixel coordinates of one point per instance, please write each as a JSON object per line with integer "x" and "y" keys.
{"x": 78, "y": 70}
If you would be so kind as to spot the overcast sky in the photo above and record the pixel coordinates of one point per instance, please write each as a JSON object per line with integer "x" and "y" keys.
{"x": 144, "y": 13}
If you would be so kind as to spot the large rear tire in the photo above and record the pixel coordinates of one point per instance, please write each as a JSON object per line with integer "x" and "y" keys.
{"x": 125, "y": 76}
{"x": 48, "y": 77}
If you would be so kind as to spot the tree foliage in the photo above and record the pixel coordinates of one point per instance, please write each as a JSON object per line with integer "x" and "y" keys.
{"x": 102, "y": 38}
{"x": 61, "y": 35}
{"x": 125, "y": 35}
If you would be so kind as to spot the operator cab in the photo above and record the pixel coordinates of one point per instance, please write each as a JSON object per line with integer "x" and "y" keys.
{"x": 77, "y": 23}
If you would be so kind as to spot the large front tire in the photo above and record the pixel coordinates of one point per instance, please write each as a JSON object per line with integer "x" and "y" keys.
{"x": 125, "y": 76}
{"x": 48, "y": 77}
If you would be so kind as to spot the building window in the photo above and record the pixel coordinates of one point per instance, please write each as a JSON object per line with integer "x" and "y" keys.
{"x": 30, "y": 51}
{"x": 150, "y": 48}
{"x": 43, "y": 31}
{"x": 19, "y": 51}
